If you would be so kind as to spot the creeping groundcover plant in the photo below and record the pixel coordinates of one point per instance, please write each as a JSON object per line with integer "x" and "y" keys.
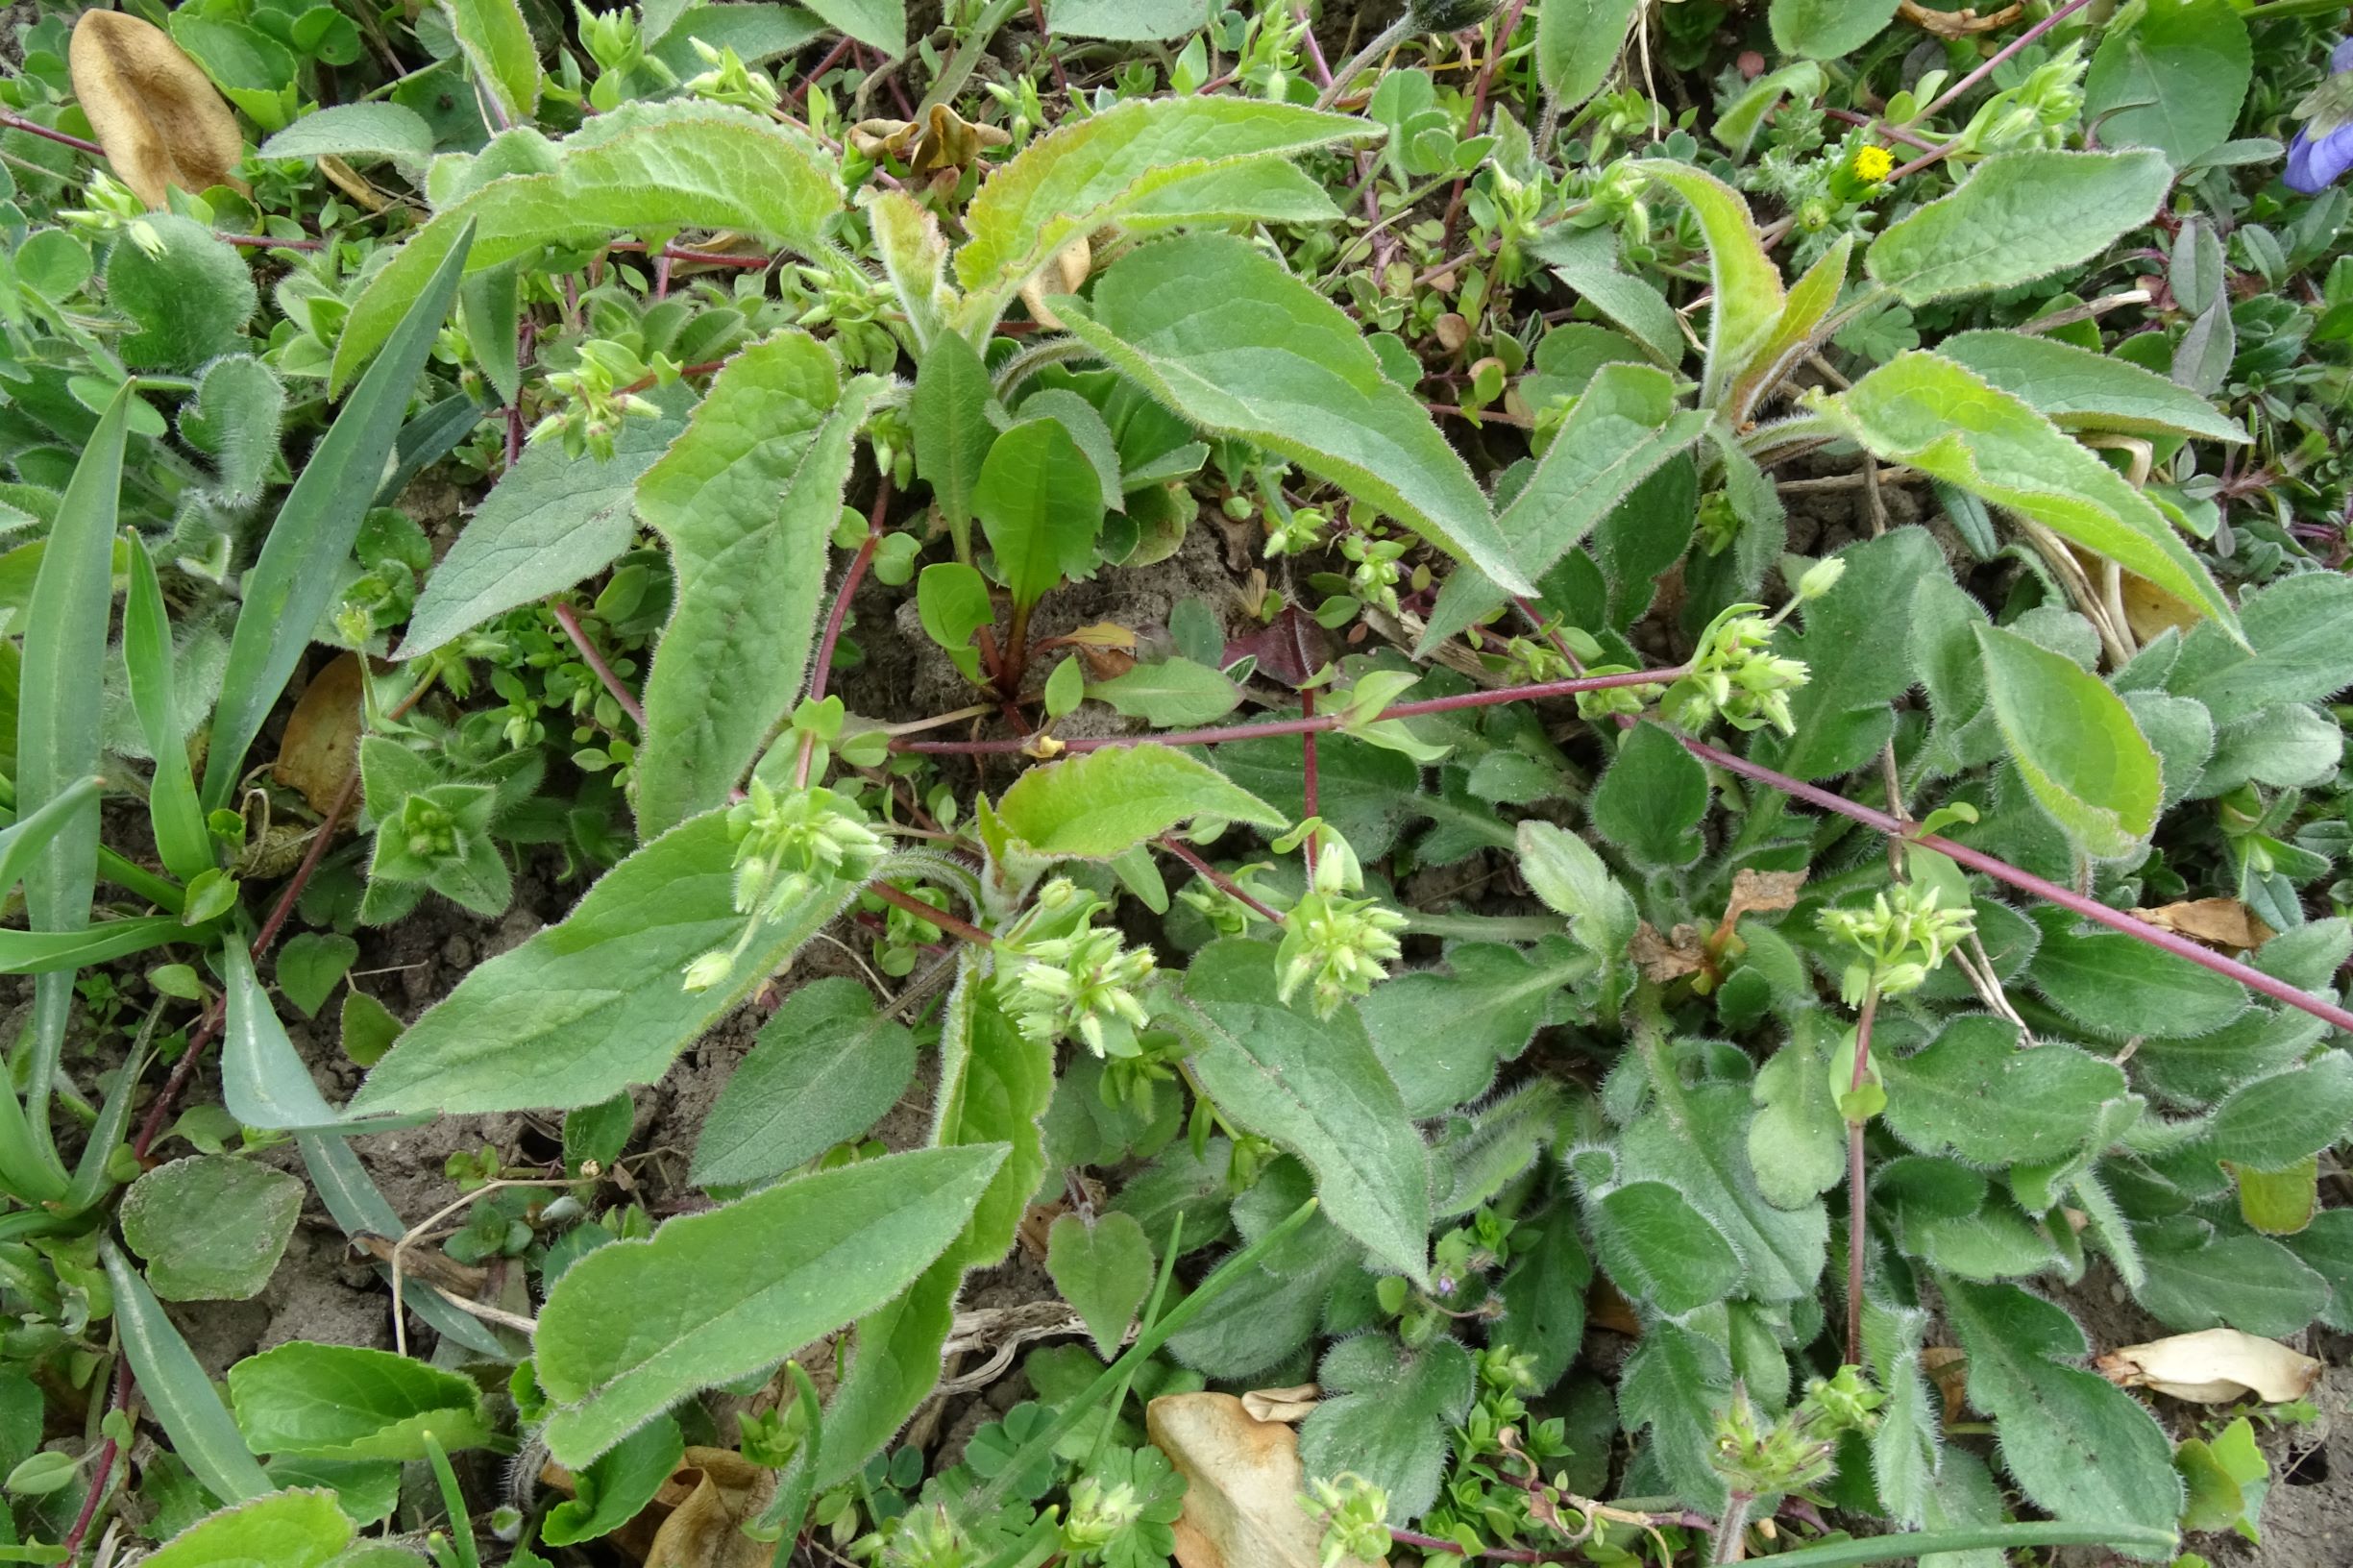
{"x": 1098, "y": 783}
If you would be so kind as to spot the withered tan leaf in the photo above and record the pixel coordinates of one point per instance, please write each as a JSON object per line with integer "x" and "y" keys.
{"x": 320, "y": 749}
{"x": 1663, "y": 959}
{"x": 1762, "y": 892}
{"x": 1282, "y": 1403}
{"x": 2219, "y": 922}
{"x": 153, "y": 109}
{"x": 2213, "y": 1366}
{"x": 1243, "y": 1485}
{"x": 705, "y": 1531}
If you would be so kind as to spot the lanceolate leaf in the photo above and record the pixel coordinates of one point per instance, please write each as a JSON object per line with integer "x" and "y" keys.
{"x": 1624, "y": 427}
{"x": 177, "y": 1391}
{"x": 644, "y": 167}
{"x": 496, "y": 43}
{"x": 1318, "y": 1090}
{"x": 2078, "y": 1445}
{"x": 2020, "y": 215}
{"x": 595, "y": 1004}
{"x": 952, "y": 432}
{"x": 60, "y": 681}
{"x": 995, "y": 1085}
{"x": 2079, "y": 390}
{"x": 1677, "y": 1383}
{"x": 302, "y": 561}
{"x": 1661, "y": 1251}
{"x": 1747, "y": 286}
{"x": 1222, "y": 334}
{"x": 747, "y": 498}
{"x": 181, "y": 839}
{"x": 1090, "y": 172}
{"x": 552, "y": 520}
{"x": 827, "y": 1068}
{"x": 1929, "y": 412}
{"x": 2075, "y": 743}
{"x": 636, "y": 1325}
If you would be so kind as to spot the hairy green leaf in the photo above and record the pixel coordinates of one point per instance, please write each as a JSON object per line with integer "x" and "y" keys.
{"x": 1222, "y": 334}
{"x": 1577, "y": 44}
{"x": 2078, "y": 1445}
{"x": 346, "y": 1401}
{"x": 2079, "y": 390}
{"x": 550, "y": 521}
{"x": 1318, "y": 1090}
{"x": 1089, "y": 172}
{"x": 294, "y": 1529}
{"x": 634, "y": 1326}
{"x": 644, "y": 167}
{"x": 747, "y": 498}
{"x": 2084, "y": 759}
{"x": 1101, "y": 804}
{"x": 825, "y": 1069}
{"x": 592, "y": 1005}
{"x": 1931, "y": 413}
{"x": 2019, "y": 217}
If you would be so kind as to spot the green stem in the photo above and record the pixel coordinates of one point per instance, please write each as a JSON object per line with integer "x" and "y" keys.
{"x": 1991, "y": 1537}
{"x": 969, "y": 51}
{"x": 984, "y": 1500}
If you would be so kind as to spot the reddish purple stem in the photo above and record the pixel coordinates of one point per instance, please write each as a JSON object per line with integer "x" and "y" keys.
{"x": 2002, "y": 871}
{"x": 1312, "y": 726}
{"x": 622, "y": 695}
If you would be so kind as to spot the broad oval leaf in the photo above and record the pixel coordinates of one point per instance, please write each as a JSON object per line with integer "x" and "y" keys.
{"x": 359, "y": 130}
{"x": 635, "y": 1326}
{"x": 644, "y": 167}
{"x": 1927, "y": 411}
{"x": 1977, "y": 1094}
{"x": 2172, "y": 78}
{"x": 1660, "y": 1251}
{"x": 211, "y": 1227}
{"x": 1827, "y": 29}
{"x": 1222, "y": 334}
{"x": 1577, "y": 44}
{"x": 588, "y": 1007}
{"x": 2084, "y": 759}
{"x": 1318, "y": 1090}
{"x": 348, "y": 1402}
{"x": 2019, "y": 216}
{"x": 1040, "y": 505}
{"x": 1104, "y": 804}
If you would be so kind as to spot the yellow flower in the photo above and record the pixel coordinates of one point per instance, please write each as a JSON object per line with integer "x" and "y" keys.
{"x": 1873, "y": 164}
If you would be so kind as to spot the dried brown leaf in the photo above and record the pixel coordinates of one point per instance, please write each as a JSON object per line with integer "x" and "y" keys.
{"x": 705, "y": 1531}
{"x": 1243, "y": 1485}
{"x": 1282, "y": 1403}
{"x": 1762, "y": 892}
{"x": 2213, "y": 1366}
{"x": 152, "y": 108}
{"x": 320, "y": 751}
{"x": 2217, "y": 922}
{"x": 1663, "y": 959}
